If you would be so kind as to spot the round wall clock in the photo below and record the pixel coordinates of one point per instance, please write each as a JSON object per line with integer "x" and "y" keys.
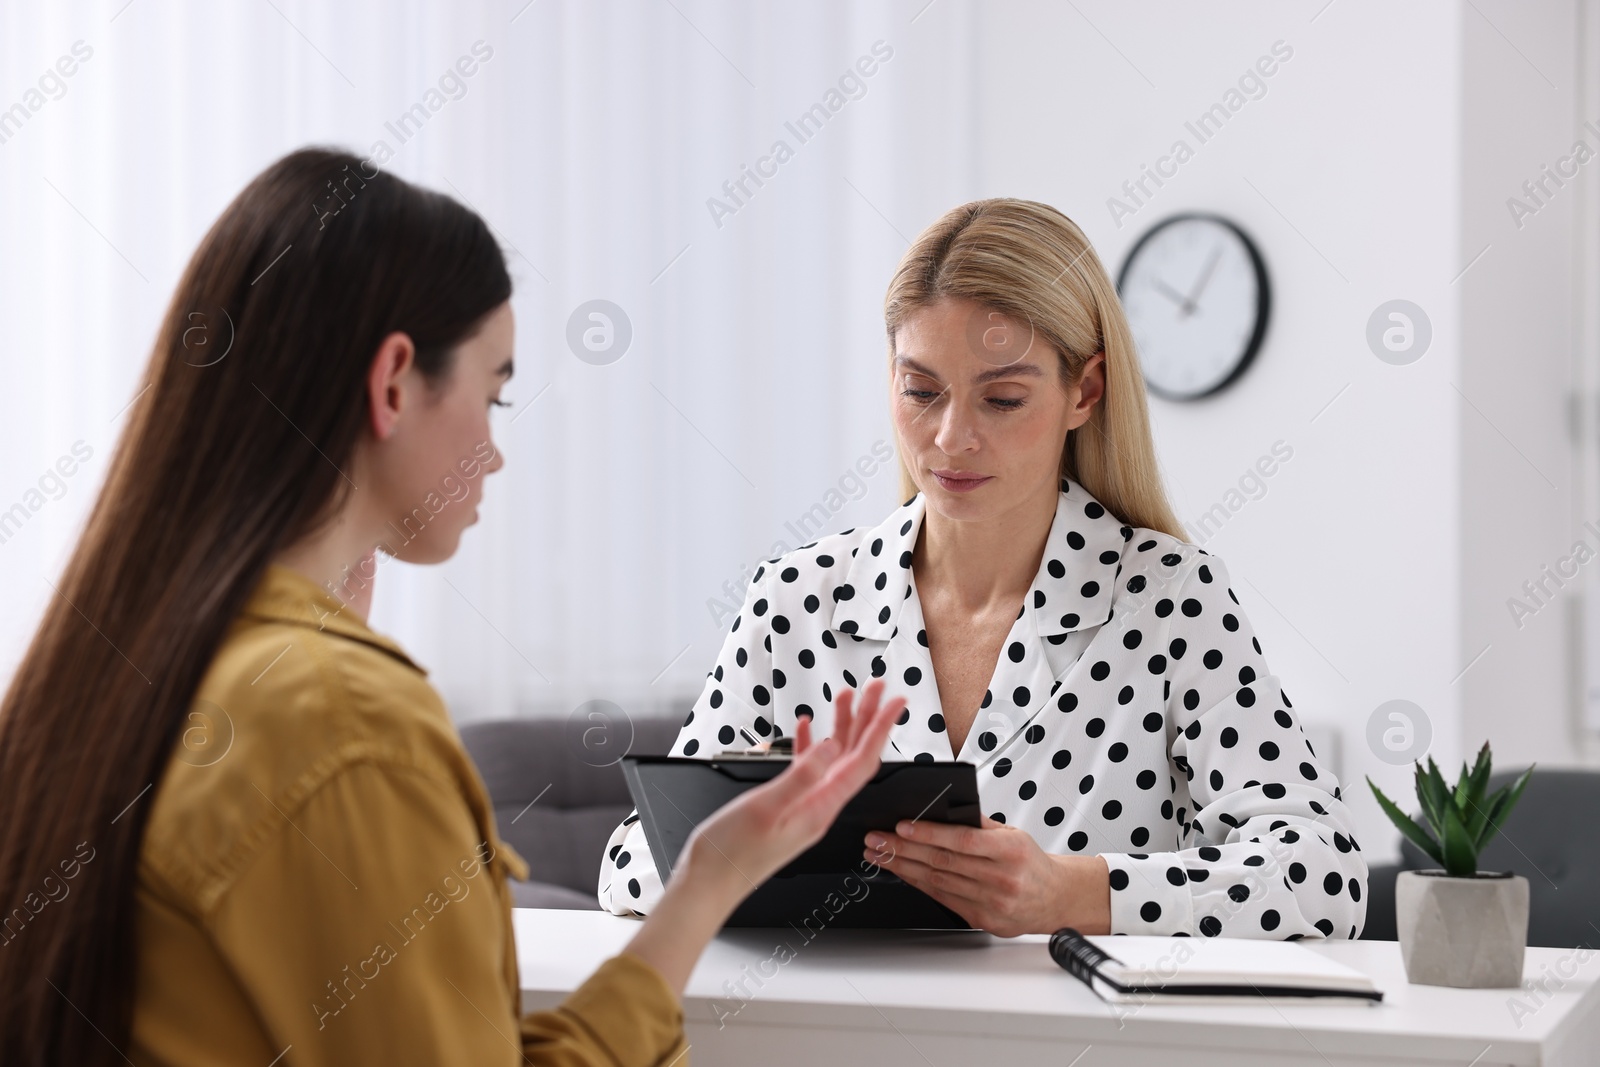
{"x": 1195, "y": 292}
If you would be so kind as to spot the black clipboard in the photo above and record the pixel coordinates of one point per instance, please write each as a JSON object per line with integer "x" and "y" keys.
{"x": 830, "y": 884}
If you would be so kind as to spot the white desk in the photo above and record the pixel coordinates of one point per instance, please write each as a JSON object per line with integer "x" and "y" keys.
{"x": 944, "y": 999}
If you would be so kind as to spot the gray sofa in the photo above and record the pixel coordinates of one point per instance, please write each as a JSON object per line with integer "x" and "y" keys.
{"x": 1548, "y": 839}
{"x": 557, "y": 802}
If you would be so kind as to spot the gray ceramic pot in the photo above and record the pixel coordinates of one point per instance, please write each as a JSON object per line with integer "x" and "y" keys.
{"x": 1464, "y": 932}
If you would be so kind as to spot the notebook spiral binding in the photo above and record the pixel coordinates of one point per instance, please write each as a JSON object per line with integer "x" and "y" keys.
{"x": 1079, "y": 956}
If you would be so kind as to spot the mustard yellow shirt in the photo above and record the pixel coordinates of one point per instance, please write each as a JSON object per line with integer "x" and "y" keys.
{"x": 321, "y": 881}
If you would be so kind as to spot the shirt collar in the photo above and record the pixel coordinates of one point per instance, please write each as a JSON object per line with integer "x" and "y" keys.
{"x": 1073, "y": 589}
{"x": 287, "y": 596}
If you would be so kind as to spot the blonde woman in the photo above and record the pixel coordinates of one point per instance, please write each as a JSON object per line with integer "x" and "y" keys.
{"x": 1035, "y": 601}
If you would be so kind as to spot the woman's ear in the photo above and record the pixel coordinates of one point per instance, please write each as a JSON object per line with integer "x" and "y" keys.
{"x": 1088, "y": 390}
{"x": 388, "y": 379}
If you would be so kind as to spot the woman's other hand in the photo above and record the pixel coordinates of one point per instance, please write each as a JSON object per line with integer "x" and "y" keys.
{"x": 997, "y": 877}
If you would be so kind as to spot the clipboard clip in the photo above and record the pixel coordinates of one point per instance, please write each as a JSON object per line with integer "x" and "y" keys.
{"x": 777, "y": 748}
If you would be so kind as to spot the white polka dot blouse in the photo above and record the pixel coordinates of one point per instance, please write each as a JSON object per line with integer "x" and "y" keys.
{"x": 1131, "y": 714}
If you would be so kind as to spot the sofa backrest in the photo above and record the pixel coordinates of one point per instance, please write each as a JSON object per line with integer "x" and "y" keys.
{"x": 557, "y": 787}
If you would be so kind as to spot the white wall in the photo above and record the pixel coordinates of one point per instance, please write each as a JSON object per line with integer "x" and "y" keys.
{"x": 1374, "y": 167}
{"x": 1522, "y": 507}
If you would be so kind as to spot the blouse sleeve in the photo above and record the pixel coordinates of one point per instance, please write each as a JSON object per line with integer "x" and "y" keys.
{"x": 734, "y": 710}
{"x": 1268, "y": 850}
{"x": 372, "y": 926}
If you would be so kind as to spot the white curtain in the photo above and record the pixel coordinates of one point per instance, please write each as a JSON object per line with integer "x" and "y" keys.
{"x": 625, "y": 152}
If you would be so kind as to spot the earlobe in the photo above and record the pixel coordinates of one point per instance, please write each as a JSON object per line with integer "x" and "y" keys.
{"x": 387, "y": 382}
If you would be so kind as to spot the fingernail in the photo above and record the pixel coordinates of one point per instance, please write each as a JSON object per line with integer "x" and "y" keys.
{"x": 905, "y": 829}
{"x": 876, "y": 841}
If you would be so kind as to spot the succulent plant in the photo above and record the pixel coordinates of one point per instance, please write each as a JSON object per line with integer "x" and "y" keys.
{"x": 1463, "y": 819}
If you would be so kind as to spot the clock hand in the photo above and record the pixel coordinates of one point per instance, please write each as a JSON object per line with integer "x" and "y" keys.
{"x": 1177, "y": 297}
{"x": 1205, "y": 276}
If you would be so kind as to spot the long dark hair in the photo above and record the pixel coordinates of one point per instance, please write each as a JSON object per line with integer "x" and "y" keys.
{"x": 254, "y": 402}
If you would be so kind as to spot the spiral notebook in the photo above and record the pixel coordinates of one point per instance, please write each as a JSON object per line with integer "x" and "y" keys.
{"x": 1131, "y": 969}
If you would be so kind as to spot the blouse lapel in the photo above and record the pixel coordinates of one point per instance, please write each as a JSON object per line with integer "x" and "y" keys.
{"x": 1072, "y": 591}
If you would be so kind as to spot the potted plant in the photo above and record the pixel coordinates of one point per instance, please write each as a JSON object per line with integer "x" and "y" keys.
{"x": 1459, "y": 926}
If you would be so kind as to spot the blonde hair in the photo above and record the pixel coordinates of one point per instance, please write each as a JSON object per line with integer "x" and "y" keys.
{"x": 1032, "y": 263}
